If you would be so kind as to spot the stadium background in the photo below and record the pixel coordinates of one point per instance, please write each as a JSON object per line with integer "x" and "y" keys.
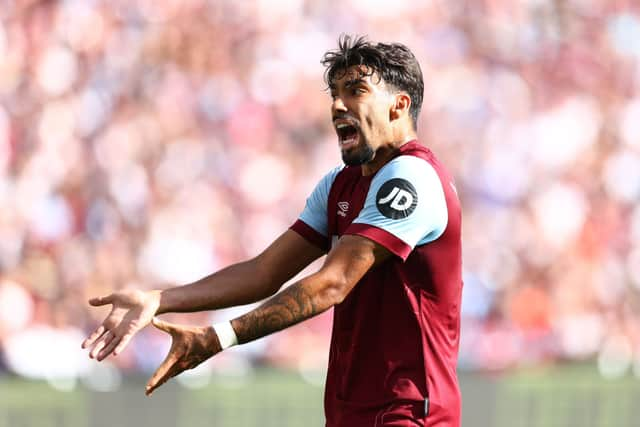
{"x": 147, "y": 143}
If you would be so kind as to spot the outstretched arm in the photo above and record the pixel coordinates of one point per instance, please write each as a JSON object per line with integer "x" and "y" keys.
{"x": 238, "y": 284}
{"x": 346, "y": 264}
{"x": 245, "y": 282}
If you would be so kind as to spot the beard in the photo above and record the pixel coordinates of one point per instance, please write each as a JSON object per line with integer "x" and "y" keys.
{"x": 358, "y": 156}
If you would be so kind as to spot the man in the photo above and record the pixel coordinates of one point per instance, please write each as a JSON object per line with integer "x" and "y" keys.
{"x": 390, "y": 223}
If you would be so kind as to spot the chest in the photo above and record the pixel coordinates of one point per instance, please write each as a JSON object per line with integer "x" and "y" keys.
{"x": 346, "y": 199}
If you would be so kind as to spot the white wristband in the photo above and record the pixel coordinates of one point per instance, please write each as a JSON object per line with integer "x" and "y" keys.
{"x": 226, "y": 335}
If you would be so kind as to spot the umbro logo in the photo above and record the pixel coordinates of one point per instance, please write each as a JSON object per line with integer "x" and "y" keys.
{"x": 343, "y": 207}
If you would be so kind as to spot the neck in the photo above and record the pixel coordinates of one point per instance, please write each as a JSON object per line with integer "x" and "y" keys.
{"x": 384, "y": 154}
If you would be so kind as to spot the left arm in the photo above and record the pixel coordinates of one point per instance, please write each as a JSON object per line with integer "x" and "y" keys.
{"x": 345, "y": 265}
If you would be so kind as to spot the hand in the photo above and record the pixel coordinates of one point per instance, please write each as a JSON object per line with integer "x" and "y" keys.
{"x": 131, "y": 311}
{"x": 190, "y": 346}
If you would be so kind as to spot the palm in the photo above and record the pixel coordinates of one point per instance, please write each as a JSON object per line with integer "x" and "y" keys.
{"x": 131, "y": 311}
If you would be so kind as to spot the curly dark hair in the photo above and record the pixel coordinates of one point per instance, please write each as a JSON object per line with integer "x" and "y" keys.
{"x": 394, "y": 63}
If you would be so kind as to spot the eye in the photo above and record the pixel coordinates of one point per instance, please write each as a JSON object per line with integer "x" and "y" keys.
{"x": 358, "y": 91}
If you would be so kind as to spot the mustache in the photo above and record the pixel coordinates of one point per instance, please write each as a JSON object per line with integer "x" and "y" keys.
{"x": 344, "y": 116}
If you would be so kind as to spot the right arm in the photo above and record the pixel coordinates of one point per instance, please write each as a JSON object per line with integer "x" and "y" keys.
{"x": 238, "y": 284}
{"x": 245, "y": 282}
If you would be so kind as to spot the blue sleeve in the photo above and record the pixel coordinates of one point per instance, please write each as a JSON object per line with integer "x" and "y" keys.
{"x": 406, "y": 199}
{"x": 315, "y": 210}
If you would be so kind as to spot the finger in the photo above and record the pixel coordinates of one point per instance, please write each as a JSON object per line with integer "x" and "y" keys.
{"x": 123, "y": 343}
{"x": 101, "y": 343}
{"x": 97, "y": 301}
{"x": 94, "y": 336}
{"x": 153, "y": 385}
{"x": 172, "y": 373}
{"x": 166, "y": 370}
{"x": 163, "y": 326}
{"x": 108, "y": 348}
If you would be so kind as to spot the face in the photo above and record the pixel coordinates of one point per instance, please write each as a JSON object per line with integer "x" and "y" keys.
{"x": 360, "y": 110}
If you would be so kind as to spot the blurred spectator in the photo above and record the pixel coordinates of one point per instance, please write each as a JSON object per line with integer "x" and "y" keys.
{"x": 149, "y": 143}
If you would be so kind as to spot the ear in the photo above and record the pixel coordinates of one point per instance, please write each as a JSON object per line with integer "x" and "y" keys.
{"x": 400, "y": 108}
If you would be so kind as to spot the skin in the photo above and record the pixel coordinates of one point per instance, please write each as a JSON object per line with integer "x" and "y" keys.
{"x": 381, "y": 116}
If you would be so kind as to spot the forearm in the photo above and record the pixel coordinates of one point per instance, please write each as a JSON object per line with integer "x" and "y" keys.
{"x": 245, "y": 282}
{"x": 298, "y": 302}
{"x": 238, "y": 284}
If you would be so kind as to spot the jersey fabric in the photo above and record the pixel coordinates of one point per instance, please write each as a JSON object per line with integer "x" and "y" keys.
{"x": 395, "y": 337}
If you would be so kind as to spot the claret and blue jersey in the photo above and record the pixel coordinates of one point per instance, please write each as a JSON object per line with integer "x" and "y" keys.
{"x": 395, "y": 336}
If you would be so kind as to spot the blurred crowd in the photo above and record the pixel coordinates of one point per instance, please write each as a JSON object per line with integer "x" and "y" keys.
{"x": 148, "y": 143}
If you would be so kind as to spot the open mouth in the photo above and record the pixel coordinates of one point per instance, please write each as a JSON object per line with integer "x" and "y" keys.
{"x": 347, "y": 134}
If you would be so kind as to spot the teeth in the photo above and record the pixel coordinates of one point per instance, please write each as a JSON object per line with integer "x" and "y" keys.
{"x": 342, "y": 125}
{"x": 347, "y": 141}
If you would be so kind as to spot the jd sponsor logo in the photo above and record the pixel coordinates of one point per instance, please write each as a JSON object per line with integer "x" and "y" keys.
{"x": 397, "y": 198}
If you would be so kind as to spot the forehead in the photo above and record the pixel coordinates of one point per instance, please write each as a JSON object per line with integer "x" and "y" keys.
{"x": 355, "y": 73}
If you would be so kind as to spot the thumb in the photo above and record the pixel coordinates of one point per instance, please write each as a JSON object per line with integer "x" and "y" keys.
{"x": 162, "y": 325}
{"x": 101, "y": 300}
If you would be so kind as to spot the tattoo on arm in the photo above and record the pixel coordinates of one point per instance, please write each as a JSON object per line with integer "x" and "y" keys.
{"x": 352, "y": 258}
{"x": 285, "y": 309}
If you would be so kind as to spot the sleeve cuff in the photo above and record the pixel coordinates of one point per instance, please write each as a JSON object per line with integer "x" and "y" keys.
{"x": 310, "y": 235}
{"x": 392, "y": 243}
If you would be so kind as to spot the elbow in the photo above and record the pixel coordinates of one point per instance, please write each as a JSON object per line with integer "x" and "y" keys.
{"x": 336, "y": 291}
{"x": 336, "y": 296}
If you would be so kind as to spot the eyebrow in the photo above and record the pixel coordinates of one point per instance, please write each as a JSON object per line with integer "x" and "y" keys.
{"x": 349, "y": 83}
{"x": 353, "y": 82}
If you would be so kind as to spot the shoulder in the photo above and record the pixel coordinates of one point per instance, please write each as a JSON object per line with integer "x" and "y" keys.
{"x": 404, "y": 184}
{"x": 330, "y": 177}
{"x": 407, "y": 167}
{"x": 326, "y": 182}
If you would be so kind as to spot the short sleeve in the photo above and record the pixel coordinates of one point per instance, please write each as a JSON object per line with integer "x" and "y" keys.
{"x": 405, "y": 206}
{"x": 312, "y": 223}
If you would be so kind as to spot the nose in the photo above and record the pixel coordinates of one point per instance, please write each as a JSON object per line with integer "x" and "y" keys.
{"x": 337, "y": 105}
